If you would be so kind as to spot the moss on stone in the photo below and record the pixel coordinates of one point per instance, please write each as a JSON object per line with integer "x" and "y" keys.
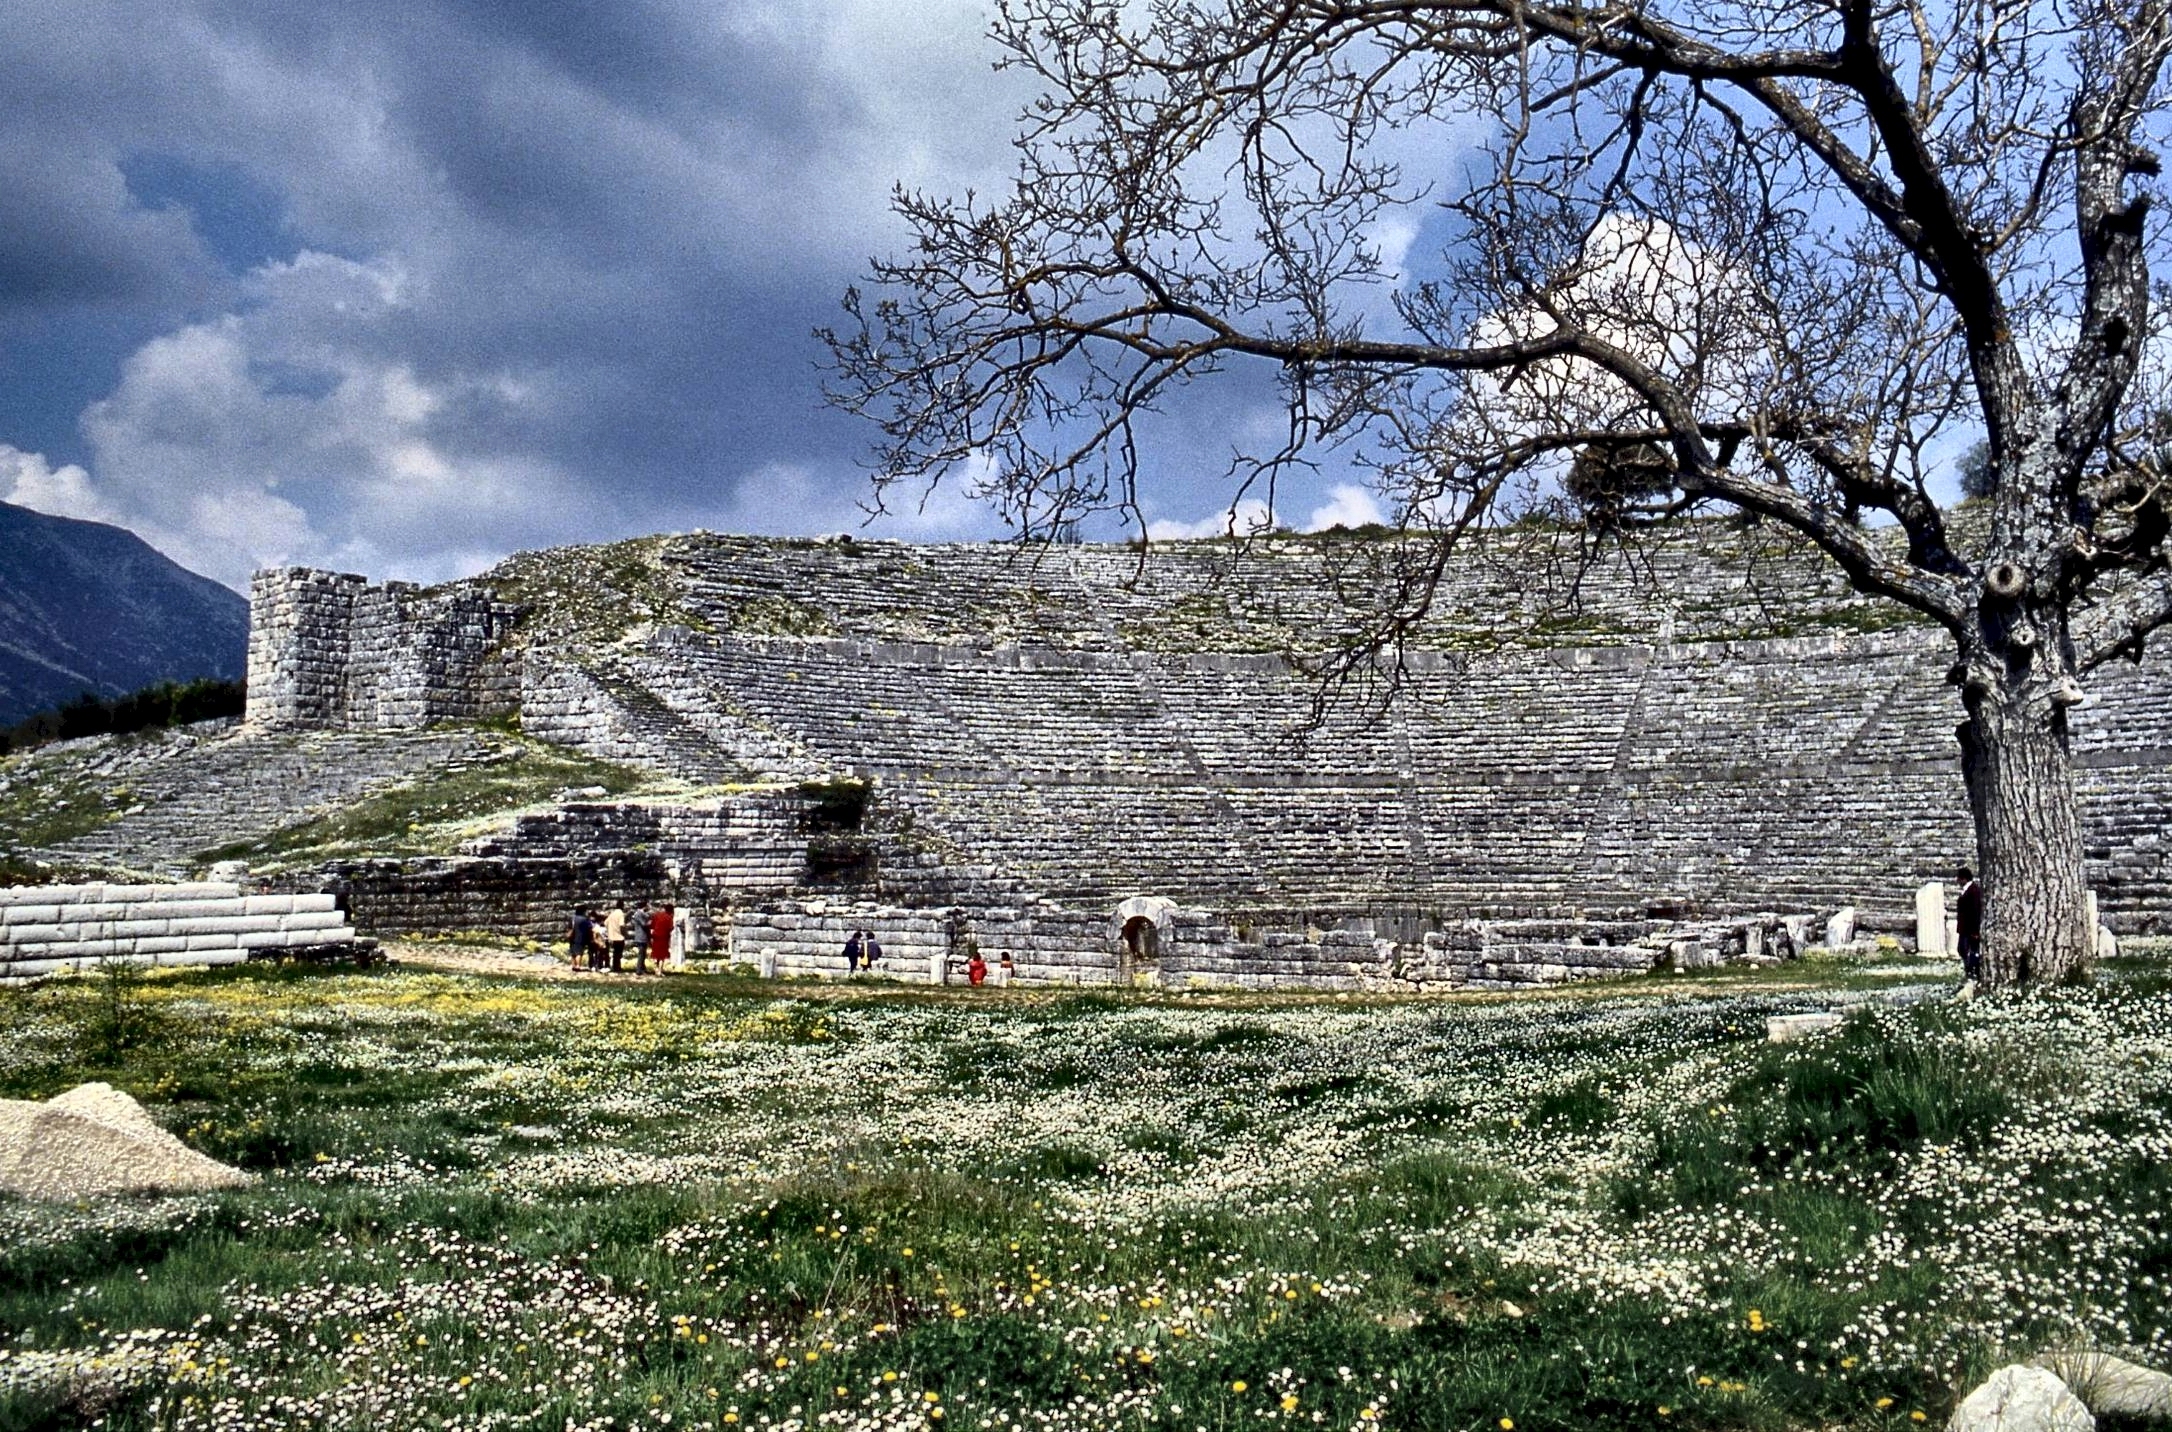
{"x": 586, "y": 597}
{"x": 780, "y": 616}
{"x": 49, "y": 797}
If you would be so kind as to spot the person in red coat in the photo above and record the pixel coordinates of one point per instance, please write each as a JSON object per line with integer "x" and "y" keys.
{"x": 976, "y": 970}
{"x": 660, "y": 936}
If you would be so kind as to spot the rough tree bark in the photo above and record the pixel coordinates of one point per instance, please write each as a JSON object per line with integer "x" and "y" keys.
{"x": 2020, "y": 777}
{"x": 1801, "y": 251}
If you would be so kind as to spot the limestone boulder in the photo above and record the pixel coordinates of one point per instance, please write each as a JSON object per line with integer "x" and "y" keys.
{"x": 2113, "y": 1387}
{"x": 1787, "y": 1028}
{"x": 2022, "y": 1399}
{"x": 95, "y": 1140}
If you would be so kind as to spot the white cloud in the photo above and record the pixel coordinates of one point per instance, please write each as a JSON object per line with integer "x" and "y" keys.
{"x": 1673, "y": 305}
{"x": 791, "y": 498}
{"x": 1347, "y": 505}
{"x": 28, "y": 480}
{"x": 295, "y": 431}
{"x": 1246, "y": 518}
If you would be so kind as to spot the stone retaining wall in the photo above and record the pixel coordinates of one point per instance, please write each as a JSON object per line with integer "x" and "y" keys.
{"x": 1196, "y": 948}
{"x": 524, "y": 898}
{"x": 44, "y": 928}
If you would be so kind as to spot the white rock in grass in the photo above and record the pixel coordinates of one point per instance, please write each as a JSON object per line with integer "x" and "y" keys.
{"x": 2112, "y": 1386}
{"x": 1782, "y": 1028}
{"x": 2021, "y": 1399}
{"x": 95, "y": 1140}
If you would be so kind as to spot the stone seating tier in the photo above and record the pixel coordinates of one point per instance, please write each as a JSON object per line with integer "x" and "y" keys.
{"x": 193, "y": 790}
{"x": 1735, "y": 776}
{"x": 1715, "y": 582}
{"x": 1719, "y": 723}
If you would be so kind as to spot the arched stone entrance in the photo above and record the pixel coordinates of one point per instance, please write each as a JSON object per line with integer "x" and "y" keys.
{"x": 1141, "y": 928}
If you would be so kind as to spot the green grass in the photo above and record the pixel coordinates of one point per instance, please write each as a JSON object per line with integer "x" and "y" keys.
{"x": 61, "y": 804}
{"x": 1083, "y": 1210}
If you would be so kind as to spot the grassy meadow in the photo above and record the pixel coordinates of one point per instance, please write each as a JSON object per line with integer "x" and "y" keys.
{"x": 702, "y": 1202}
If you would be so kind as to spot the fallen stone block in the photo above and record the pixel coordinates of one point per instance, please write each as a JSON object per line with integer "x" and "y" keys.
{"x": 1785, "y": 1028}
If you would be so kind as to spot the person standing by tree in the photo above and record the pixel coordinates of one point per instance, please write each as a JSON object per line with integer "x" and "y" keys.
{"x": 1968, "y": 922}
{"x": 1702, "y": 255}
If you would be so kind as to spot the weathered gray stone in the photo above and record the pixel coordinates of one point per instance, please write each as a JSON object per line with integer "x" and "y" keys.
{"x": 179, "y": 924}
{"x": 2111, "y": 1386}
{"x": 1931, "y": 919}
{"x": 2021, "y": 1399}
{"x": 1785, "y": 1028}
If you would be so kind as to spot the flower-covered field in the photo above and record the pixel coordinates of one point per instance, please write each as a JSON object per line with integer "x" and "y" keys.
{"x": 688, "y": 1203}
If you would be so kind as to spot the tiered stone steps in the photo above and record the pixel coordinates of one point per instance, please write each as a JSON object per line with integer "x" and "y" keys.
{"x": 191, "y": 795}
{"x": 1725, "y": 776}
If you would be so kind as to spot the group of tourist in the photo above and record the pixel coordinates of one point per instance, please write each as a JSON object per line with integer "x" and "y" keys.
{"x": 599, "y": 941}
{"x": 861, "y": 951}
{"x": 976, "y": 970}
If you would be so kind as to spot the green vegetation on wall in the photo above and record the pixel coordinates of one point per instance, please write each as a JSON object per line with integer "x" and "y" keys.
{"x": 431, "y": 816}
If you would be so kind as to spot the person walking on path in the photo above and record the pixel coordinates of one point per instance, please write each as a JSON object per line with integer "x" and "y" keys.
{"x": 578, "y": 937}
{"x": 869, "y": 950}
{"x": 614, "y": 936}
{"x": 637, "y": 936}
{"x": 1968, "y": 923}
{"x": 660, "y": 936}
{"x": 852, "y": 953}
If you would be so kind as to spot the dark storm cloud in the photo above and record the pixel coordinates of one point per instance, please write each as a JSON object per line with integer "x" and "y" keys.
{"x": 405, "y": 286}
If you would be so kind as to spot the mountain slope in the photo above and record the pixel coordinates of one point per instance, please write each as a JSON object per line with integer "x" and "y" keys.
{"x": 87, "y": 607}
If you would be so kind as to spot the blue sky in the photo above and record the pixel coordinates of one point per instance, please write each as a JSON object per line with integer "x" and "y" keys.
{"x": 402, "y": 287}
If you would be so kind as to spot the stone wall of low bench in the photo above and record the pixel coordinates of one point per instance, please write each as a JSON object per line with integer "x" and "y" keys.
{"x": 528, "y": 898}
{"x": 1049, "y": 945}
{"x": 47, "y": 928}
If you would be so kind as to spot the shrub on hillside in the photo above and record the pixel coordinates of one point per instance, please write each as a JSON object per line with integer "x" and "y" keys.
{"x": 154, "y": 707}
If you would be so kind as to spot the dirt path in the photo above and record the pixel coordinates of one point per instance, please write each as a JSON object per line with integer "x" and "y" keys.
{"x": 485, "y": 960}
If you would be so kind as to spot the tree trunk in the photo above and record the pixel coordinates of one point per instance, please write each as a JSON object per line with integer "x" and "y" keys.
{"x": 2028, "y": 828}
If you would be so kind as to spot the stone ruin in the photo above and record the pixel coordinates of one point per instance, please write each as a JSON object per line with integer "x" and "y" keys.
{"x": 45, "y": 929}
{"x": 1099, "y": 760}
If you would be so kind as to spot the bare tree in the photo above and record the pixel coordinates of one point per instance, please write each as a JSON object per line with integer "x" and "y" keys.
{"x": 1779, "y": 255}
